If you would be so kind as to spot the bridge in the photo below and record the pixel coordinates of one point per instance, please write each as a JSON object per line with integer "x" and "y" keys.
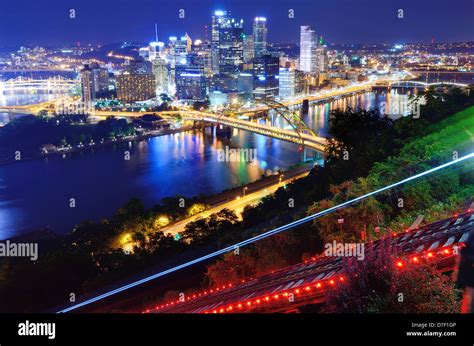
{"x": 35, "y": 109}
{"x": 301, "y": 133}
{"x": 318, "y": 97}
{"x": 414, "y": 83}
{"x": 309, "y": 140}
{"x": 56, "y": 84}
{"x": 436, "y": 244}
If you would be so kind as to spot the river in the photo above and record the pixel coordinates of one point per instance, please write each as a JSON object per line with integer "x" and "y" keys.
{"x": 35, "y": 194}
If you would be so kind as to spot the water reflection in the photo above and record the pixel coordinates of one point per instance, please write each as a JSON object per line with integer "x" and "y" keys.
{"x": 34, "y": 194}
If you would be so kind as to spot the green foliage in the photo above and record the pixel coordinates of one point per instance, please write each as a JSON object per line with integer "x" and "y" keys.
{"x": 60, "y": 130}
{"x": 375, "y": 285}
{"x": 203, "y": 230}
{"x": 358, "y": 139}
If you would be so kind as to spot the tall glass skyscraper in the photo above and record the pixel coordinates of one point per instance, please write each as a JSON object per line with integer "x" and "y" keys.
{"x": 260, "y": 36}
{"x": 265, "y": 76}
{"x": 249, "y": 52}
{"x": 308, "y": 45}
{"x": 227, "y": 44}
{"x": 231, "y": 47}
{"x": 218, "y": 20}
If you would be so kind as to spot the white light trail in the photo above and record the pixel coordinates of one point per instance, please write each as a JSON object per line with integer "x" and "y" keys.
{"x": 266, "y": 234}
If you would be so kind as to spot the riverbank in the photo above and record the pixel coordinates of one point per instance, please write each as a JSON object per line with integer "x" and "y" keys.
{"x": 263, "y": 182}
{"x": 237, "y": 199}
{"x": 217, "y": 200}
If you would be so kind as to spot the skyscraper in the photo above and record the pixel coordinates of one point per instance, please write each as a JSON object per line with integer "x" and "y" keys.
{"x": 94, "y": 81}
{"x": 218, "y": 19}
{"x": 287, "y": 83}
{"x": 249, "y": 50}
{"x": 161, "y": 71}
{"x": 231, "y": 48}
{"x": 260, "y": 36}
{"x": 86, "y": 84}
{"x": 189, "y": 42}
{"x": 308, "y": 45}
{"x": 265, "y": 76}
{"x": 190, "y": 82}
{"x": 227, "y": 44}
{"x": 204, "y": 55}
{"x": 322, "y": 56}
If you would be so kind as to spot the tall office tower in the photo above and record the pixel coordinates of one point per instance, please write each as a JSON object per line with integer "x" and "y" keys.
{"x": 287, "y": 83}
{"x": 249, "y": 50}
{"x": 172, "y": 44}
{"x": 161, "y": 72}
{"x": 260, "y": 36}
{"x": 245, "y": 85}
{"x": 203, "y": 52}
{"x": 86, "y": 84}
{"x": 231, "y": 48}
{"x": 218, "y": 19}
{"x": 155, "y": 50}
{"x": 189, "y": 42}
{"x": 95, "y": 82}
{"x": 322, "y": 58}
{"x": 300, "y": 83}
{"x": 190, "y": 83}
{"x": 181, "y": 46}
{"x": 265, "y": 76}
{"x": 308, "y": 45}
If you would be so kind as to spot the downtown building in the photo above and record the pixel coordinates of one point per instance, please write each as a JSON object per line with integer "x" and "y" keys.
{"x": 227, "y": 51}
{"x": 322, "y": 57}
{"x": 161, "y": 71}
{"x": 190, "y": 83}
{"x": 245, "y": 85}
{"x": 291, "y": 83}
{"x": 249, "y": 50}
{"x": 137, "y": 83}
{"x": 231, "y": 53}
{"x": 265, "y": 76}
{"x": 218, "y": 20}
{"x": 260, "y": 36}
{"x": 308, "y": 50}
{"x": 94, "y": 82}
{"x": 203, "y": 56}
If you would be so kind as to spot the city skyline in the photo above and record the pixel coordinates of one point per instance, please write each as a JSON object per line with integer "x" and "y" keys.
{"x": 443, "y": 25}
{"x": 237, "y": 157}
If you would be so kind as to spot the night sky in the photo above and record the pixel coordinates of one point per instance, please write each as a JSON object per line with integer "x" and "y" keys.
{"x": 47, "y": 22}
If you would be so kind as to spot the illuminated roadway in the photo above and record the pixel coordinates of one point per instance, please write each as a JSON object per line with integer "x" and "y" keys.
{"x": 237, "y": 205}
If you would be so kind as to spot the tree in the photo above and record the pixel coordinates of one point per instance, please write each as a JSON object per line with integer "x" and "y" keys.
{"x": 218, "y": 225}
{"x": 375, "y": 285}
{"x": 232, "y": 268}
{"x": 358, "y": 139}
{"x": 358, "y": 218}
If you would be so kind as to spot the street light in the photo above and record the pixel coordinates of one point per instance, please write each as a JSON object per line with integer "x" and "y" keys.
{"x": 245, "y": 189}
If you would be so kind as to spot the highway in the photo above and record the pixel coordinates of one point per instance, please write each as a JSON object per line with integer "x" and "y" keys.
{"x": 237, "y": 204}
